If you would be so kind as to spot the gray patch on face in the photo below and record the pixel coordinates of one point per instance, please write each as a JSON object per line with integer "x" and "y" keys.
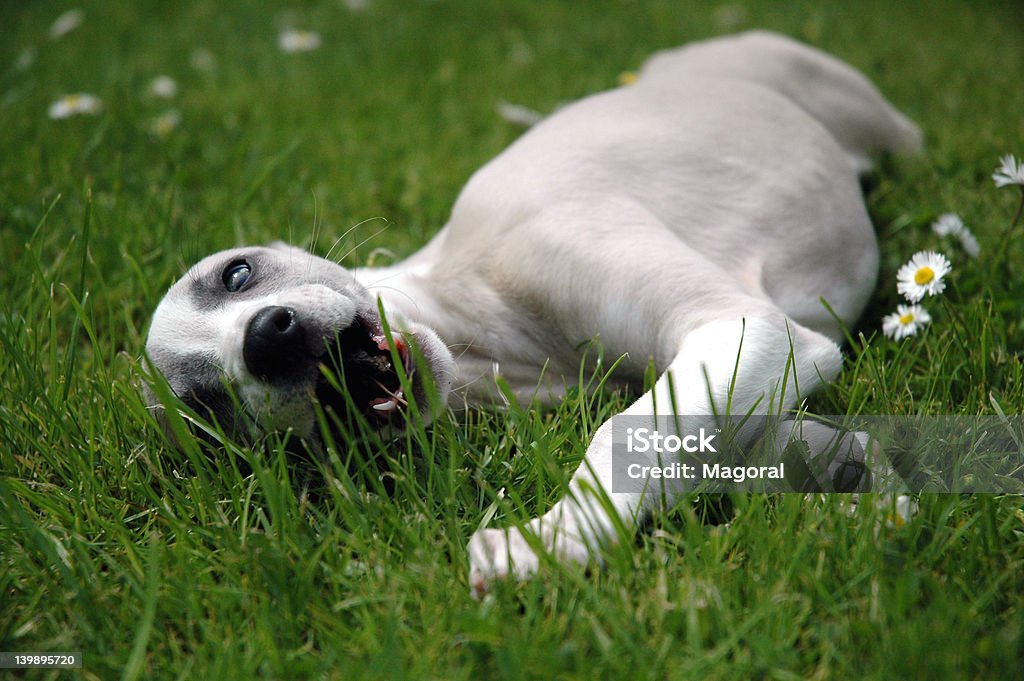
{"x": 205, "y": 282}
{"x": 184, "y": 372}
{"x": 195, "y": 379}
{"x": 283, "y": 276}
{"x": 272, "y": 270}
{"x": 214, "y": 404}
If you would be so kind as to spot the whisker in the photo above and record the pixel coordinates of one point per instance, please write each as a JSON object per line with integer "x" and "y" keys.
{"x": 398, "y": 397}
{"x": 348, "y": 231}
{"x": 465, "y": 349}
{"x": 317, "y": 222}
{"x": 460, "y": 388}
{"x": 398, "y": 291}
{"x": 364, "y": 242}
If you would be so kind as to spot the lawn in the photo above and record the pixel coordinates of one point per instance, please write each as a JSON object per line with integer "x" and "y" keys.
{"x": 160, "y": 564}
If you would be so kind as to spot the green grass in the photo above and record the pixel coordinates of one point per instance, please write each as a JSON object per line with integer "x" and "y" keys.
{"x": 160, "y": 565}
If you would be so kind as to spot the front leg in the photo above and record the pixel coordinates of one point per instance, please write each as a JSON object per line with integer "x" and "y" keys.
{"x": 739, "y": 366}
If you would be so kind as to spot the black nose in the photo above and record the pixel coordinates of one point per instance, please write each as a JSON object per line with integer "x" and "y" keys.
{"x": 275, "y": 344}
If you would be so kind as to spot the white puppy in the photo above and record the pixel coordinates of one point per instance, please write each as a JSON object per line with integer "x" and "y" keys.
{"x": 696, "y": 219}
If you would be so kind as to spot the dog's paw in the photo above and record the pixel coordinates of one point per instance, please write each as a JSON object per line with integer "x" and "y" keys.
{"x": 498, "y": 554}
{"x": 505, "y": 554}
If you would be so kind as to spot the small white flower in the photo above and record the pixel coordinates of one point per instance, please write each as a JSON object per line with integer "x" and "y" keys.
{"x": 202, "y": 59}
{"x": 296, "y": 40}
{"x": 26, "y": 58}
{"x": 905, "y": 321}
{"x": 922, "y": 276}
{"x": 73, "y": 105}
{"x": 948, "y": 224}
{"x": 1009, "y": 172}
{"x": 66, "y": 23}
{"x": 164, "y": 87}
{"x": 518, "y": 114}
{"x": 164, "y": 124}
{"x": 627, "y": 78}
{"x": 969, "y": 243}
{"x": 730, "y": 16}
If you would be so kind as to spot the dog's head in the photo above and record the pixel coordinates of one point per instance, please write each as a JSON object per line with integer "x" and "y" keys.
{"x": 254, "y": 337}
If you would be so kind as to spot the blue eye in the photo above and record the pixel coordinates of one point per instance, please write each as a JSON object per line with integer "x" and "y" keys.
{"x": 236, "y": 275}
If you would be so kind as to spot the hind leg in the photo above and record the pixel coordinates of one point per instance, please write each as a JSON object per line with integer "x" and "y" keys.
{"x": 841, "y": 98}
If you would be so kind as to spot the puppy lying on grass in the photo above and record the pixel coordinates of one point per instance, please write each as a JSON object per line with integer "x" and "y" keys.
{"x": 696, "y": 218}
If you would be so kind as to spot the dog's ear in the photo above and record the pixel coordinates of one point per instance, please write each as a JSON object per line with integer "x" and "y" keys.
{"x": 155, "y": 406}
{"x": 207, "y": 413}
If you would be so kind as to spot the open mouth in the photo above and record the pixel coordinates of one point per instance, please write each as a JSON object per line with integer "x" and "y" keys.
{"x": 361, "y": 361}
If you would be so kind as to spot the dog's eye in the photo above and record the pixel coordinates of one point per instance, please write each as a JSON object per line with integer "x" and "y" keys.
{"x": 236, "y": 275}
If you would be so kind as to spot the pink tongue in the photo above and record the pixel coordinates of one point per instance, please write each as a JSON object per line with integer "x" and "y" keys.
{"x": 382, "y": 344}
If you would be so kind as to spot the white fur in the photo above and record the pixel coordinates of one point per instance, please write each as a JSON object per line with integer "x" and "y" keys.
{"x": 742, "y": 363}
{"x": 696, "y": 219}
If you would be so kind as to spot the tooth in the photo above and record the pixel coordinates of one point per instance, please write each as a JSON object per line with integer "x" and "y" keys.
{"x": 389, "y": 405}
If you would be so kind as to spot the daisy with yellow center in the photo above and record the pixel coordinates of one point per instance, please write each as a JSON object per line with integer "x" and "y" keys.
{"x": 922, "y": 276}
{"x": 73, "y": 105}
{"x": 905, "y": 321}
{"x": 296, "y": 40}
{"x": 166, "y": 123}
{"x": 628, "y": 77}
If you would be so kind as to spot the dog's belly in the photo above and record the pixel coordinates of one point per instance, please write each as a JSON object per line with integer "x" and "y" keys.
{"x": 633, "y": 217}
{"x": 483, "y": 381}
{"x": 735, "y": 175}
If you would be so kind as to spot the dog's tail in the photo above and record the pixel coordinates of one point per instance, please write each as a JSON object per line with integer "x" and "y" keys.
{"x": 840, "y": 97}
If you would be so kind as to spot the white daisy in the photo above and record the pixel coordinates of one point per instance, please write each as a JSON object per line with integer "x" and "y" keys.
{"x": 969, "y": 243}
{"x": 1009, "y": 172}
{"x": 922, "y": 276}
{"x": 518, "y": 114}
{"x": 26, "y": 58}
{"x": 948, "y": 224}
{"x": 202, "y": 59}
{"x": 905, "y": 321}
{"x": 66, "y": 23}
{"x": 73, "y": 105}
{"x": 730, "y": 16}
{"x": 163, "y": 87}
{"x": 164, "y": 124}
{"x": 627, "y": 78}
{"x": 296, "y": 40}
